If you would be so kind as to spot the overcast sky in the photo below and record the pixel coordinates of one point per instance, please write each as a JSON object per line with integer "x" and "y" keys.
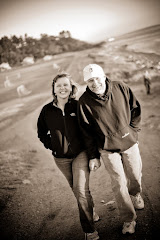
{"x": 88, "y": 20}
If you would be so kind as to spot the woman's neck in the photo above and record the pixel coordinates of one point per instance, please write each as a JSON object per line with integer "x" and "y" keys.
{"x": 61, "y": 103}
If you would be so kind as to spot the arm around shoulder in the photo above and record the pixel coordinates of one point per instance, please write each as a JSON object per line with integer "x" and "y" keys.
{"x": 87, "y": 131}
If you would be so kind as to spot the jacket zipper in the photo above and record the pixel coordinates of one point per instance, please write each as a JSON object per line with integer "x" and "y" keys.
{"x": 69, "y": 145}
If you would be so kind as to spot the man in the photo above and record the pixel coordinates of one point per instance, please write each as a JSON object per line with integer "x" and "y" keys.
{"x": 147, "y": 82}
{"x": 109, "y": 116}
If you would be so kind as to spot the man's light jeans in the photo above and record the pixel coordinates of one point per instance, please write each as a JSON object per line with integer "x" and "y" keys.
{"x": 125, "y": 171}
{"x": 77, "y": 174}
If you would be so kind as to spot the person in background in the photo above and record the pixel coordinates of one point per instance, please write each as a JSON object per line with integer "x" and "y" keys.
{"x": 59, "y": 131}
{"x": 109, "y": 116}
{"x": 147, "y": 82}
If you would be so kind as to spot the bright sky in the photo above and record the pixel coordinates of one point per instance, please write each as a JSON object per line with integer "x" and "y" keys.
{"x": 88, "y": 20}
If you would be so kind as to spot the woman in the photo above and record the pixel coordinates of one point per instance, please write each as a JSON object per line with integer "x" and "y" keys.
{"x": 58, "y": 130}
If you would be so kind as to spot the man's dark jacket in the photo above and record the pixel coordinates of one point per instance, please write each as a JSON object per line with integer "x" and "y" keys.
{"x": 110, "y": 122}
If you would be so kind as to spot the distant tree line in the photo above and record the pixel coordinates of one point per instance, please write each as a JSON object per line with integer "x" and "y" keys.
{"x": 14, "y": 49}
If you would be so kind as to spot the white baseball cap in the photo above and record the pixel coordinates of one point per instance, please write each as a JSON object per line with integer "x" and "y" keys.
{"x": 91, "y": 71}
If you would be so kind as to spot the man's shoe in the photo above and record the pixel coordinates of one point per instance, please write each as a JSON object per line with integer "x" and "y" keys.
{"x": 129, "y": 227}
{"x": 96, "y": 218}
{"x": 138, "y": 202}
{"x": 92, "y": 236}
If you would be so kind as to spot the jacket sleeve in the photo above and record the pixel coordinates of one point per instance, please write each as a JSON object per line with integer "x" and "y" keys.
{"x": 42, "y": 131}
{"x": 87, "y": 133}
{"x": 135, "y": 111}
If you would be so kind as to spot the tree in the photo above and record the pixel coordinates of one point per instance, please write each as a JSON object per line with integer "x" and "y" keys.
{"x": 64, "y": 34}
{"x": 6, "y": 43}
{"x": 15, "y": 40}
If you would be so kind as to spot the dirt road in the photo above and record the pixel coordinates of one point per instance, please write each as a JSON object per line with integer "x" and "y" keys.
{"x": 36, "y": 202}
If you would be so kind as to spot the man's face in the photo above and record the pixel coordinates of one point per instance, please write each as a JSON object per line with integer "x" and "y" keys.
{"x": 97, "y": 84}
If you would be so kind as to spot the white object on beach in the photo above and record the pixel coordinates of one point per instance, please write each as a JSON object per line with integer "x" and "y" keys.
{"x": 7, "y": 83}
{"x": 23, "y": 91}
{"x": 55, "y": 66}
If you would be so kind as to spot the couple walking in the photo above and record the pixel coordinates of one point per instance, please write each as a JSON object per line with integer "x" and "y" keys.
{"x": 102, "y": 124}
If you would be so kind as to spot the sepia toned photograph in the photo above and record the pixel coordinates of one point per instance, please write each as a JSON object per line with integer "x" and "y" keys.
{"x": 79, "y": 119}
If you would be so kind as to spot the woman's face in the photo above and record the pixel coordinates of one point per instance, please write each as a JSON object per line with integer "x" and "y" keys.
{"x": 62, "y": 87}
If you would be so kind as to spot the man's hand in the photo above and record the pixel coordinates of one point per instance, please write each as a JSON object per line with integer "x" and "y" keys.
{"x": 94, "y": 164}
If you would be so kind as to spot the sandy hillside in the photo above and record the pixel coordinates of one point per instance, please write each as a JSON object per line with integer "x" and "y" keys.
{"x": 35, "y": 200}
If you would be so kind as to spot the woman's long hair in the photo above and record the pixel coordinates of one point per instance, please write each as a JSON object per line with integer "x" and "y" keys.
{"x": 74, "y": 88}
